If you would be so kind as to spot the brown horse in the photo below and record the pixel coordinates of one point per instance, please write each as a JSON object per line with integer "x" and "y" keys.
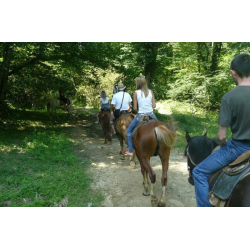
{"x": 151, "y": 139}
{"x": 121, "y": 129}
{"x": 104, "y": 118}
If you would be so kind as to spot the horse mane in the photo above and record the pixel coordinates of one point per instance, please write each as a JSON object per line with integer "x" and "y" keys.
{"x": 200, "y": 147}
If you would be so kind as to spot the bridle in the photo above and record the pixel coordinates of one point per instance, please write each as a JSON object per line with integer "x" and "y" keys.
{"x": 188, "y": 155}
{"x": 194, "y": 164}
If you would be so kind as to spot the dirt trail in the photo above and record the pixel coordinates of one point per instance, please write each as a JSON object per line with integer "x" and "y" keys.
{"x": 121, "y": 183}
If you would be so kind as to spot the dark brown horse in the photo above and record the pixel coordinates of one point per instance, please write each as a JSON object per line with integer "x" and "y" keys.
{"x": 151, "y": 139}
{"x": 200, "y": 147}
{"x": 121, "y": 129}
{"x": 104, "y": 118}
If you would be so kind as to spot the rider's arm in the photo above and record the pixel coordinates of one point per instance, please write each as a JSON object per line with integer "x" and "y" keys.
{"x": 135, "y": 101}
{"x": 113, "y": 104}
{"x": 222, "y": 135}
{"x": 153, "y": 100}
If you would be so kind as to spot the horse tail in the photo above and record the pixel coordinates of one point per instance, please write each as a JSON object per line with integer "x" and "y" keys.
{"x": 106, "y": 122}
{"x": 48, "y": 107}
{"x": 165, "y": 136}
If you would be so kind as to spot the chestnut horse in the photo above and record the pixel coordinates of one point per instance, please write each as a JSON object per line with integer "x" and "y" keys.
{"x": 121, "y": 129}
{"x": 151, "y": 139}
{"x": 104, "y": 118}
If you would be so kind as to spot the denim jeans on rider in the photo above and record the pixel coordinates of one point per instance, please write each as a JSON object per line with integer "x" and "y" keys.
{"x": 131, "y": 127}
{"x": 222, "y": 157}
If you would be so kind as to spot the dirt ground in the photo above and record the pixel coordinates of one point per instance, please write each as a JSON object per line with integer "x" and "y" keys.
{"x": 121, "y": 183}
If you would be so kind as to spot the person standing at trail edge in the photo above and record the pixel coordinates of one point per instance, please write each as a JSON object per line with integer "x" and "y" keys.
{"x": 234, "y": 113}
{"x": 64, "y": 100}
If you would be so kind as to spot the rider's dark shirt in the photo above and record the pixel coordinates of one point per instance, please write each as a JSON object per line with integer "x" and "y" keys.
{"x": 235, "y": 112}
{"x": 63, "y": 98}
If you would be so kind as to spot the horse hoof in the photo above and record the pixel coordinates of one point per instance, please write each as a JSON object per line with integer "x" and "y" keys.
{"x": 154, "y": 203}
{"x": 145, "y": 193}
{"x": 161, "y": 204}
{"x": 132, "y": 163}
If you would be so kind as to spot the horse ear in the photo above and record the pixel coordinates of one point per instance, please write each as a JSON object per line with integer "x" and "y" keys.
{"x": 187, "y": 136}
{"x": 205, "y": 134}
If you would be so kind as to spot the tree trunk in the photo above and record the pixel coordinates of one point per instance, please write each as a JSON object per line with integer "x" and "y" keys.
{"x": 4, "y": 73}
{"x": 215, "y": 55}
{"x": 150, "y": 59}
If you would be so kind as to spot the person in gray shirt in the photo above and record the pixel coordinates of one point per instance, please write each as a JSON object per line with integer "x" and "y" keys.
{"x": 234, "y": 113}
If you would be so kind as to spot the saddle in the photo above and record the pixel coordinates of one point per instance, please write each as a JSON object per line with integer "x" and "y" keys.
{"x": 144, "y": 119}
{"x": 223, "y": 181}
{"x": 123, "y": 112}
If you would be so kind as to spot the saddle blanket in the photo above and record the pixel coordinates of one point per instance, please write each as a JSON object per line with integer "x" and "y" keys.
{"x": 223, "y": 184}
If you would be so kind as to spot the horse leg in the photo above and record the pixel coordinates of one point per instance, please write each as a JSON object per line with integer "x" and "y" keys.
{"x": 105, "y": 139}
{"x": 70, "y": 114}
{"x": 50, "y": 114}
{"x": 121, "y": 146}
{"x": 145, "y": 182}
{"x": 132, "y": 159}
{"x": 57, "y": 115}
{"x": 145, "y": 164}
{"x": 164, "y": 156}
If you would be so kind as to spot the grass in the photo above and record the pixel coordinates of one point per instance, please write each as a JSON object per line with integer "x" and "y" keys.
{"x": 38, "y": 165}
{"x": 193, "y": 119}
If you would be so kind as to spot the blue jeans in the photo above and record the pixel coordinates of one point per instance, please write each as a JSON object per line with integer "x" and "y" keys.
{"x": 132, "y": 125}
{"x": 105, "y": 105}
{"x": 222, "y": 157}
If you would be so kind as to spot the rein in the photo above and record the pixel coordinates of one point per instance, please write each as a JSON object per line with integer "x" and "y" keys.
{"x": 188, "y": 155}
{"x": 188, "y": 168}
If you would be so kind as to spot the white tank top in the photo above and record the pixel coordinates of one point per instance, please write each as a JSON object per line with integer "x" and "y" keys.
{"x": 104, "y": 101}
{"x": 144, "y": 103}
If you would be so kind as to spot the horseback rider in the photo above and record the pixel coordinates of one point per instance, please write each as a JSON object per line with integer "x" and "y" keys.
{"x": 145, "y": 99}
{"x": 63, "y": 99}
{"x": 234, "y": 113}
{"x": 105, "y": 104}
{"x": 121, "y": 100}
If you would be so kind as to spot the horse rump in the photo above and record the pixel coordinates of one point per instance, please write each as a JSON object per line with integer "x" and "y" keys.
{"x": 165, "y": 136}
{"x": 154, "y": 133}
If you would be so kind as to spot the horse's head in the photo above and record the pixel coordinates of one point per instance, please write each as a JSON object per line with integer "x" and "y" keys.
{"x": 197, "y": 149}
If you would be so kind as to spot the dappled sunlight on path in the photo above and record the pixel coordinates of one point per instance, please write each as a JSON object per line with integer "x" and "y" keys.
{"x": 121, "y": 183}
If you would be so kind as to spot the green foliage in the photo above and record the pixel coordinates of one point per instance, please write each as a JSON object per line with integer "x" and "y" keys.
{"x": 90, "y": 95}
{"x": 33, "y": 72}
{"x": 193, "y": 119}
